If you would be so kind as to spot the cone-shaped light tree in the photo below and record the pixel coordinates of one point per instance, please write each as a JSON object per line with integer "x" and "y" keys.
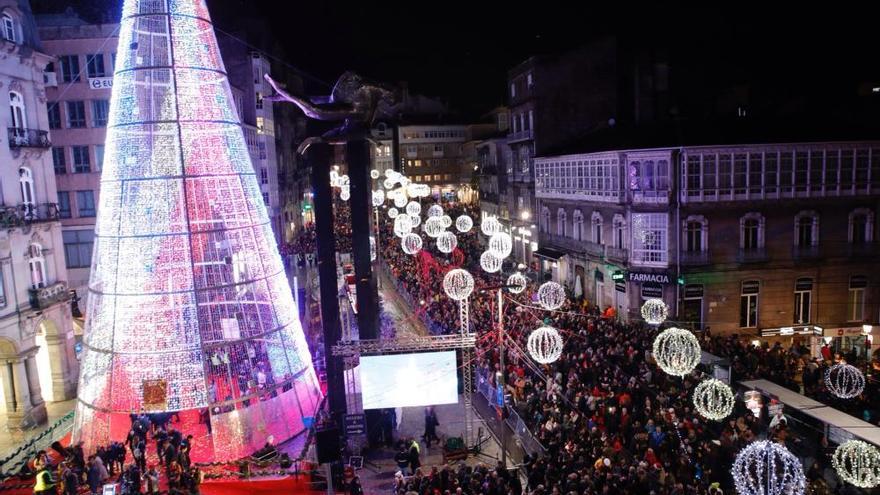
{"x": 189, "y": 308}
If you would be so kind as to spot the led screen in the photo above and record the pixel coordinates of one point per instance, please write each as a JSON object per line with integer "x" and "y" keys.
{"x": 407, "y": 380}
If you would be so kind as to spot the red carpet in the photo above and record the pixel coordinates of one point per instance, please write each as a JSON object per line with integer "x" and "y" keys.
{"x": 259, "y": 487}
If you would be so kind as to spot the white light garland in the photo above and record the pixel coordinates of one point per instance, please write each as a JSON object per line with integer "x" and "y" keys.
{"x": 844, "y": 381}
{"x": 464, "y": 224}
{"x": 374, "y": 174}
{"x": 654, "y": 311}
{"x": 435, "y": 211}
{"x": 414, "y": 208}
{"x": 545, "y": 345}
{"x": 378, "y": 197}
{"x": 676, "y": 351}
{"x": 551, "y": 296}
{"x": 433, "y": 227}
{"x": 446, "y": 242}
{"x": 392, "y": 213}
{"x": 519, "y": 281}
{"x": 500, "y": 244}
{"x": 402, "y": 225}
{"x": 411, "y": 243}
{"x": 713, "y": 399}
{"x": 490, "y": 263}
{"x": 458, "y": 284}
{"x": 857, "y": 463}
{"x": 490, "y": 226}
{"x": 767, "y": 468}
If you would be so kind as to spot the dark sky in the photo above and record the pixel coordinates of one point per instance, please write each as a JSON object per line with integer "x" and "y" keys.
{"x": 461, "y": 51}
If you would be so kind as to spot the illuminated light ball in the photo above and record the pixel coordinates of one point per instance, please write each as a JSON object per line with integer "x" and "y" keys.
{"x": 544, "y": 345}
{"x": 857, "y": 463}
{"x": 767, "y": 468}
{"x": 414, "y": 208}
{"x": 390, "y": 172}
{"x": 490, "y": 263}
{"x": 345, "y": 194}
{"x": 372, "y": 248}
{"x": 424, "y": 190}
{"x": 500, "y": 244}
{"x": 343, "y": 181}
{"x": 447, "y": 221}
{"x": 446, "y": 242}
{"x": 464, "y": 224}
{"x": 519, "y": 281}
{"x": 392, "y": 213}
{"x": 435, "y": 211}
{"x": 844, "y": 381}
{"x": 713, "y": 399}
{"x": 400, "y": 200}
{"x": 416, "y": 220}
{"x": 433, "y": 227}
{"x": 551, "y": 296}
{"x": 405, "y": 181}
{"x": 654, "y": 311}
{"x": 334, "y": 178}
{"x": 388, "y": 183}
{"x": 378, "y": 197}
{"x": 676, "y": 351}
{"x": 413, "y": 191}
{"x": 374, "y": 174}
{"x": 402, "y": 225}
{"x": 411, "y": 243}
{"x": 490, "y": 226}
{"x": 458, "y": 284}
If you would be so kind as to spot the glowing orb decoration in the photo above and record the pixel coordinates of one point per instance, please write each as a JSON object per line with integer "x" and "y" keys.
{"x": 844, "y": 381}
{"x": 374, "y": 174}
{"x": 404, "y": 181}
{"x": 372, "y": 248}
{"x": 458, "y": 284}
{"x": 402, "y": 225}
{"x": 390, "y": 172}
{"x": 334, "y": 178}
{"x": 388, "y": 183}
{"x": 544, "y": 345}
{"x": 433, "y": 227}
{"x": 416, "y": 220}
{"x": 676, "y": 351}
{"x": 400, "y": 200}
{"x": 713, "y": 399}
{"x": 490, "y": 226}
{"x": 447, "y": 221}
{"x": 654, "y": 311}
{"x": 345, "y": 194}
{"x": 446, "y": 242}
{"x": 857, "y": 463}
{"x": 490, "y": 263}
{"x": 414, "y": 191}
{"x": 378, "y": 197}
{"x": 767, "y": 468}
{"x": 411, "y": 243}
{"x": 519, "y": 281}
{"x": 500, "y": 244}
{"x": 464, "y": 224}
{"x": 424, "y": 190}
{"x": 435, "y": 211}
{"x": 392, "y": 213}
{"x": 551, "y": 296}
{"x": 414, "y": 208}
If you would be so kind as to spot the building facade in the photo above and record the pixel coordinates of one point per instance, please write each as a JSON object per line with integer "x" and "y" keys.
{"x": 36, "y": 329}
{"x": 433, "y": 155}
{"x": 761, "y": 240}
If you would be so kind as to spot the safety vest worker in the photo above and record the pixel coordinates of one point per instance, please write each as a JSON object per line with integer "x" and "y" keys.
{"x": 44, "y": 484}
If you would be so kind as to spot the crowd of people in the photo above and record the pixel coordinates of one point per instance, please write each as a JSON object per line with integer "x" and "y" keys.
{"x": 609, "y": 420}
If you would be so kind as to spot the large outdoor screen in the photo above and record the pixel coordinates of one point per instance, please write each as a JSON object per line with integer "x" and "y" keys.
{"x": 407, "y": 380}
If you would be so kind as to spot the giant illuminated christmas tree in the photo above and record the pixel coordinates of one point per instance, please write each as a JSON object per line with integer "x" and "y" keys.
{"x": 189, "y": 307}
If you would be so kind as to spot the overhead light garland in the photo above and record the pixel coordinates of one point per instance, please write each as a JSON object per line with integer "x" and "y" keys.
{"x": 551, "y": 296}
{"x": 654, "y": 311}
{"x": 857, "y": 463}
{"x": 767, "y": 468}
{"x": 844, "y": 381}
{"x": 713, "y": 399}
{"x": 544, "y": 345}
{"x": 676, "y": 351}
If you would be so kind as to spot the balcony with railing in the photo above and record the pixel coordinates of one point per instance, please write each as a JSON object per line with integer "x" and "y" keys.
{"x": 44, "y": 297}
{"x": 27, "y": 214}
{"x": 752, "y": 255}
{"x": 695, "y": 258}
{"x": 573, "y": 245}
{"x": 28, "y": 138}
{"x": 523, "y": 135}
{"x": 620, "y": 255}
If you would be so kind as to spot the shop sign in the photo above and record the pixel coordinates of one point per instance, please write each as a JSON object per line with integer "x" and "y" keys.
{"x": 100, "y": 82}
{"x": 843, "y": 332}
{"x": 641, "y": 277}
{"x": 620, "y": 286}
{"x": 652, "y": 290}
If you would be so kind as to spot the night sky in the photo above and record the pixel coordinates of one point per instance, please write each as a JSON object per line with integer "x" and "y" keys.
{"x": 460, "y": 51}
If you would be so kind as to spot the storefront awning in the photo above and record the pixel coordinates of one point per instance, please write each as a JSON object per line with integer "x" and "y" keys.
{"x": 792, "y": 330}
{"x": 550, "y": 254}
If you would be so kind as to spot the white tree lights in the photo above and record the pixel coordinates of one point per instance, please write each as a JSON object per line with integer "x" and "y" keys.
{"x": 464, "y": 224}
{"x": 544, "y": 345}
{"x": 713, "y": 399}
{"x": 551, "y": 296}
{"x": 654, "y": 311}
{"x": 844, "y": 381}
{"x": 767, "y": 468}
{"x": 676, "y": 351}
{"x": 857, "y": 463}
{"x": 490, "y": 263}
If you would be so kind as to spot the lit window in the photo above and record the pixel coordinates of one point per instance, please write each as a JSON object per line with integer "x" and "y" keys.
{"x": 748, "y": 308}
{"x": 803, "y": 292}
{"x": 855, "y": 303}
{"x": 649, "y": 239}
{"x": 9, "y": 28}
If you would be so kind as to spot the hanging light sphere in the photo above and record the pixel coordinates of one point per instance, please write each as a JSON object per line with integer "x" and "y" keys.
{"x": 390, "y": 172}
{"x": 411, "y": 243}
{"x": 413, "y": 191}
{"x": 374, "y": 174}
{"x": 372, "y": 248}
{"x": 654, "y": 311}
{"x": 388, "y": 183}
{"x": 446, "y": 242}
{"x": 713, "y": 399}
{"x": 433, "y": 227}
{"x": 400, "y": 200}
{"x": 414, "y": 208}
{"x": 435, "y": 211}
{"x": 464, "y": 224}
{"x": 447, "y": 221}
{"x": 458, "y": 284}
{"x": 378, "y": 197}
{"x": 424, "y": 190}
{"x": 844, "y": 381}
{"x": 402, "y": 225}
{"x": 551, "y": 296}
{"x": 416, "y": 220}
{"x": 392, "y": 213}
{"x": 767, "y": 468}
{"x": 343, "y": 181}
{"x": 676, "y": 351}
{"x": 857, "y": 463}
{"x": 490, "y": 226}
{"x": 490, "y": 263}
{"x": 405, "y": 181}
{"x": 345, "y": 194}
{"x": 519, "y": 281}
{"x": 544, "y": 345}
{"x": 500, "y": 244}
